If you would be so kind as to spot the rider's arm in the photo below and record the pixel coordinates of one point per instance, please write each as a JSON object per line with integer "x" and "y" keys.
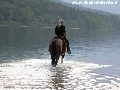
{"x": 64, "y": 31}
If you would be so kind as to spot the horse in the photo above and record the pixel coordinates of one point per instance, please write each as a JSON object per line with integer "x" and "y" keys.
{"x": 57, "y": 48}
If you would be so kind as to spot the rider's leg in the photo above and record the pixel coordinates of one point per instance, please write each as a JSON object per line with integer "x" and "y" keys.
{"x": 68, "y": 48}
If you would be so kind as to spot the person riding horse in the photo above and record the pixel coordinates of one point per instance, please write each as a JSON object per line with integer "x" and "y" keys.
{"x": 61, "y": 32}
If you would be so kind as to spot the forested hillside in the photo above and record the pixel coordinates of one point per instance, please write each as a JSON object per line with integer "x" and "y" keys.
{"x": 47, "y": 13}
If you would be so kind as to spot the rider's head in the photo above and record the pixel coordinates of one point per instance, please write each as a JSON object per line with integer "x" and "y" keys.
{"x": 61, "y": 21}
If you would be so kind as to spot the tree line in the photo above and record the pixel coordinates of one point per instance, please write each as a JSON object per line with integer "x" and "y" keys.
{"x": 47, "y": 13}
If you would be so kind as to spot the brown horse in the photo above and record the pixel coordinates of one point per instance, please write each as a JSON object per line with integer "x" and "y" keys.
{"x": 57, "y": 48}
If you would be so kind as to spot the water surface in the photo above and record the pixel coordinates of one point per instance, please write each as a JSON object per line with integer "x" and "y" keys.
{"x": 25, "y": 61}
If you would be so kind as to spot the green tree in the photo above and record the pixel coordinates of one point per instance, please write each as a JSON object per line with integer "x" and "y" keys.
{"x": 26, "y": 15}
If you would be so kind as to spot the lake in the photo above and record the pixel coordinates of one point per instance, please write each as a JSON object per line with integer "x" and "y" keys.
{"x": 25, "y": 63}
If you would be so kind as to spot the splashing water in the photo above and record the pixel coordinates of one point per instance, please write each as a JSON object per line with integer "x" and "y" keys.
{"x": 38, "y": 74}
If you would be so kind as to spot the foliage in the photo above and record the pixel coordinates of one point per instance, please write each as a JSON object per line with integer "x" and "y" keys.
{"x": 47, "y": 13}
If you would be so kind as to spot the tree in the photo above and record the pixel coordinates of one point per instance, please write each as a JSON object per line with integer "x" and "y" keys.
{"x": 26, "y": 15}
{"x": 47, "y": 13}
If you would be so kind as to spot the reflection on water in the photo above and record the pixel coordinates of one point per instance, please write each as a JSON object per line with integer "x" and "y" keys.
{"x": 98, "y": 46}
{"x": 18, "y": 43}
{"x": 36, "y": 74}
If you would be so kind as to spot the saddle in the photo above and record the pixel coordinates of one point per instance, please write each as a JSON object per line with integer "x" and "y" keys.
{"x": 62, "y": 38}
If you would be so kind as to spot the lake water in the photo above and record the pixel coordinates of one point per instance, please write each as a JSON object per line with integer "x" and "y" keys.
{"x": 25, "y": 61}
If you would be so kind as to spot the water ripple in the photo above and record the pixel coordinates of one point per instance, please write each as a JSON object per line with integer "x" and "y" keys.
{"x": 36, "y": 74}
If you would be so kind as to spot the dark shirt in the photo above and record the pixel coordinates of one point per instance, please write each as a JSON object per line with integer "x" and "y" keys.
{"x": 60, "y": 30}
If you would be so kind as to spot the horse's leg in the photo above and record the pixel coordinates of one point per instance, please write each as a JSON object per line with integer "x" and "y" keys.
{"x": 62, "y": 58}
{"x": 53, "y": 59}
{"x": 57, "y": 58}
{"x": 53, "y": 53}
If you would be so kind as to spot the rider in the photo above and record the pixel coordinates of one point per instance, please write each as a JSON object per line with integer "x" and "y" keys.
{"x": 60, "y": 32}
